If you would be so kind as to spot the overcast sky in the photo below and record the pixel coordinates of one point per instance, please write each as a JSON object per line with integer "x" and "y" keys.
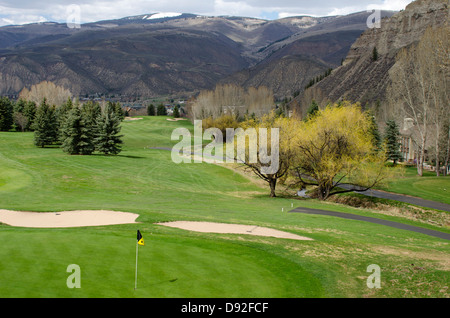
{"x": 27, "y": 11}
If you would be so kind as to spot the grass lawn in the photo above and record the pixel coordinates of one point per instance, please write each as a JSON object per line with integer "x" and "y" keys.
{"x": 428, "y": 186}
{"x": 178, "y": 263}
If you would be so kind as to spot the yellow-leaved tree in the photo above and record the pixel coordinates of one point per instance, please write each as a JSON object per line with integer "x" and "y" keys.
{"x": 264, "y": 146}
{"x": 336, "y": 146}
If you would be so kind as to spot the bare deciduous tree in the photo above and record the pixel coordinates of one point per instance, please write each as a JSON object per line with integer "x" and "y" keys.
{"x": 420, "y": 84}
{"x": 55, "y": 95}
{"x": 231, "y": 100}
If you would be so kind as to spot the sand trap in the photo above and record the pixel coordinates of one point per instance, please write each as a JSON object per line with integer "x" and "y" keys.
{"x": 132, "y": 118}
{"x": 66, "y": 218}
{"x": 176, "y": 119}
{"x": 209, "y": 227}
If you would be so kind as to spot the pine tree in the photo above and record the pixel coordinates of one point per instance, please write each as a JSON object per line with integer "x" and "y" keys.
{"x": 151, "y": 110}
{"x": 64, "y": 109}
{"x": 117, "y": 107}
{"x": 391, "y": 139}
{"x": 6, "y": 114}
{"x": 45, "y": 125}
{"x": 90, "y": 111}
{"x": 76, "y": 134}
{"x": 313, "y": 109}
{"x": 176, "y": 112}
{"x": 62, "y": 113}
{"x": 20, "y": 121}
{"x": 373, "y": 130}
{"x": 107, "y": 140}
{"x": 29, "y": 112}
{"x": 374, "y": 54}
{"x": 24, "y": 114}
{"x": 161, "y": 110}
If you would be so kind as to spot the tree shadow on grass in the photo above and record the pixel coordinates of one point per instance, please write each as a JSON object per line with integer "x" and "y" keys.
{"x": 49, "y": 147}
{"x": 158, "y": 283}
{"x": 127, "y": 156}
{"x": 117, "y": 156}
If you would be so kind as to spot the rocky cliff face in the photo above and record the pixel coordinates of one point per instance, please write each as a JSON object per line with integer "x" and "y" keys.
{"x": 363, "y": 79}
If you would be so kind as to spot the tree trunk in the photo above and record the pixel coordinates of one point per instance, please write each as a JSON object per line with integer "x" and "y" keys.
{"x": 438, "y": 167}
{"x": 421, "y": 158}
{"x": 447, "y": 157}
{"x": 420, "y": 167}
{"x": 273, "y": 184}
{"x": 323, "y": 191}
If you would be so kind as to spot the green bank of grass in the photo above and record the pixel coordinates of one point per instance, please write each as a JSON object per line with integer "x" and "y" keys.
{"x": 429, "y": 186}
{"x": 178, "y": 263}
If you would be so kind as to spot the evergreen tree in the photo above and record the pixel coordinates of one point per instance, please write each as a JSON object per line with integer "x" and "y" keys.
{"x": 90, "y": 111}
{"x": 29, "y": 112}
{"x": 76, "y": 134}
{"x": 313, "y": 109}
{"x": 6, "y": 114}
{"x": 374, "y": 54}
{"x": 374, "y": 131}
{"x": 391, "y": 139}
{"x": 45, "y": 125}
{"x": 161, "y": 110}
{"x": 20, "y": 121}
{"x": 107, "y": 140}
{"x": 62, "y": 113}
{"x": 19, "y": 106}
{"x": 176, "y": 112}
{"x": 65, "y": 108}
{"x": 24, "y": 114}
{"x": 151, "y": 110}
{"x": 117, "y": 107}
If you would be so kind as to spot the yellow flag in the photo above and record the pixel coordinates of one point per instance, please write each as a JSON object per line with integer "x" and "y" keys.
{"x": 140, "y": 239}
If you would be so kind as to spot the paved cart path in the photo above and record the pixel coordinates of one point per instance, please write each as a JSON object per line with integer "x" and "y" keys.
{"x": 403, "y": 198}
{"x": 417, "y": 229}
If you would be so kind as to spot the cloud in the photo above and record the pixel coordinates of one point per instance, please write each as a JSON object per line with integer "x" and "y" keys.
{"x": 235, "y": 8}
{"x": 18, "y": 16}
{"x": 26, "y": 11}
{"x": 282, "y": 15}
{"x": 394, "y": 5}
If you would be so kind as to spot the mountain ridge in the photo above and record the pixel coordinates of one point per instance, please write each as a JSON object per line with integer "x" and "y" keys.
{"x": 141, "y": 57}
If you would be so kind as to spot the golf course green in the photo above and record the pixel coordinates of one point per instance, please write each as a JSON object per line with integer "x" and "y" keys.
{"x": 176, "y": 263}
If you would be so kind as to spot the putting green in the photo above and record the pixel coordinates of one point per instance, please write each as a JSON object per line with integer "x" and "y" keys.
{"x": 168, "y": 266}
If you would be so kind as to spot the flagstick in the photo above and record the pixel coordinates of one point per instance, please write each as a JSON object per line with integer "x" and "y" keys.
{"x": 135, "y": 274}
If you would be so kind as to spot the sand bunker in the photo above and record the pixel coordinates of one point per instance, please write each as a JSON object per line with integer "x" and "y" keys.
{"x": 66, "y": 218}
{"x": 209, "y": 227}
{"x": 176, "y": 119}
{"x": 102, "y": 217}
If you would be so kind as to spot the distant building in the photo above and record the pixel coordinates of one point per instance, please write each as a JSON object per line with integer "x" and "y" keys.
{"x": 408, "y": 147}
{"x": 410, "y": 143}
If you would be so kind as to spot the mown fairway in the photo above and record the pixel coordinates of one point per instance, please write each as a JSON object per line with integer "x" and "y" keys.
{"x": 178, "y": 263}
